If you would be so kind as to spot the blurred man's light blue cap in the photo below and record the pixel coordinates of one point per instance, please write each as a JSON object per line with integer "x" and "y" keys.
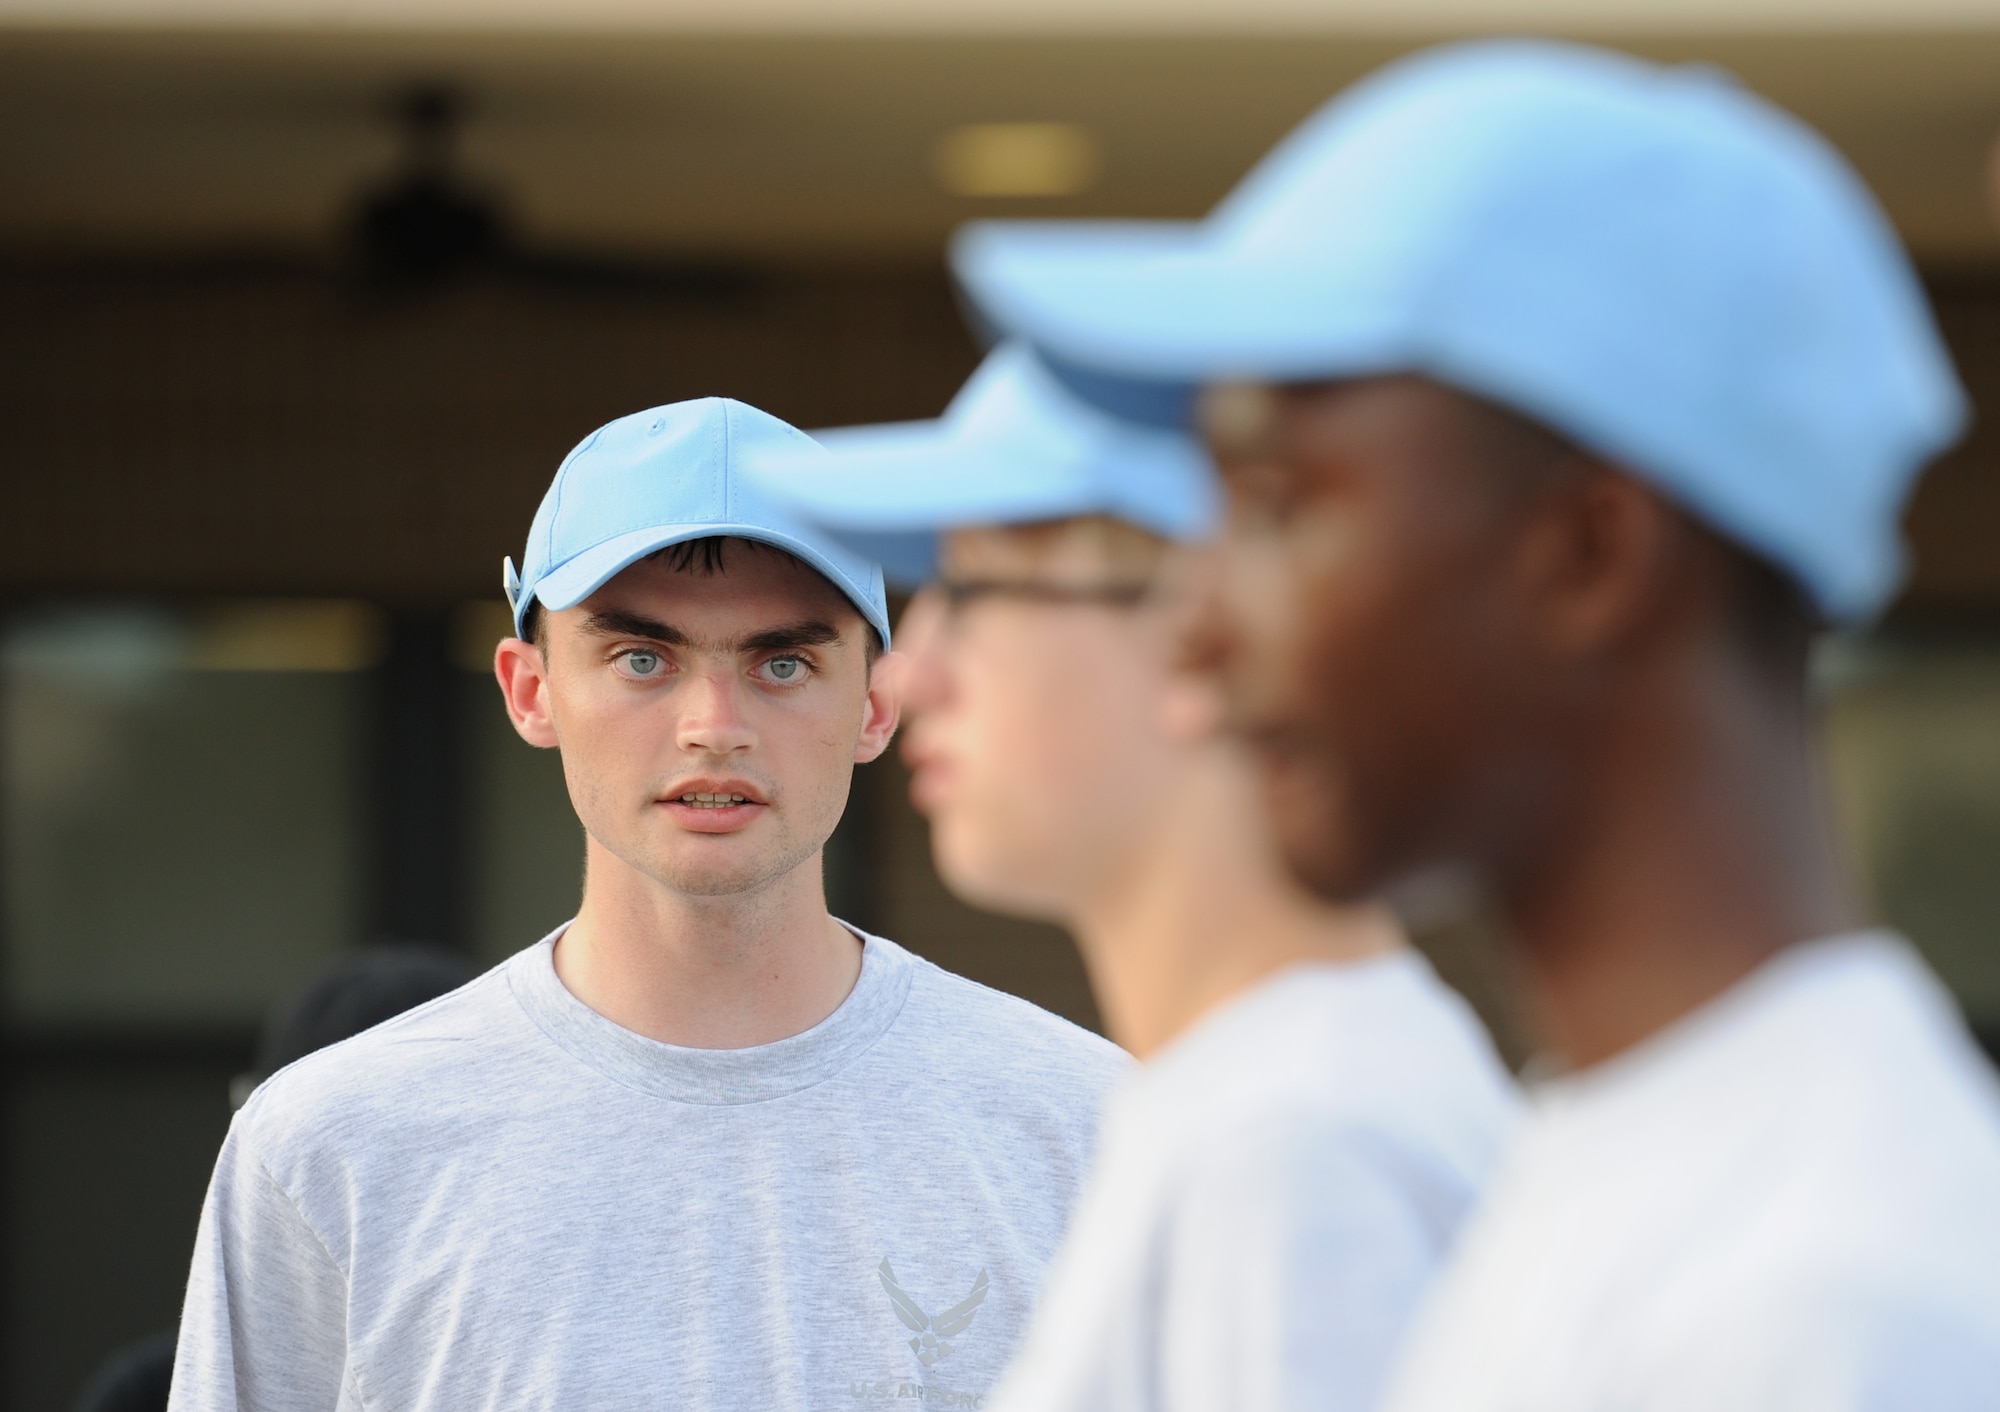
{"x": 664, "y": 476}
{"x": 1652, "y": 261}
{"x": 1013, "y": 448}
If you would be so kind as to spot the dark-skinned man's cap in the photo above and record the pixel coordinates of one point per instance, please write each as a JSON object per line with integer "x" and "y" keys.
{"x": 1652, "y": 261}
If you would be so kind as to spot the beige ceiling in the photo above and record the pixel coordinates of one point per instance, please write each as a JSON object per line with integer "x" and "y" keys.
{"x": 1017, "y": 17}
{"x": 653, "y": 142}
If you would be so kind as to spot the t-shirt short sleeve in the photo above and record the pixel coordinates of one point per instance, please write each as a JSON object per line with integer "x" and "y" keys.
{"x": 264, "y": 1326}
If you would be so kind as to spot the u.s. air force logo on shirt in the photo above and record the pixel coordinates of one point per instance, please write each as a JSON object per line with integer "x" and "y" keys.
{"x": 932, "y": 1332}
{"x": 931, "y": 1340}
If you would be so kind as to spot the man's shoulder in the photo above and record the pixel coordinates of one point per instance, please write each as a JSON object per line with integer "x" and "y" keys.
{"x": 944, "y": 993}
{"x": 1004, "y": 1034}
{"x": 437, "y": 1057}
{"x": 1300, "y": 1163}
{"x": 1032, "y": 1085}
{"x": 1882, "y": 1132}
{"x": 1318, "y": 1060}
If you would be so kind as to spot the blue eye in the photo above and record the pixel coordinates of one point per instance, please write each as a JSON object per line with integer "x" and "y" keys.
{"x": 785, "y": 669}
{"x": 642, "y": 664}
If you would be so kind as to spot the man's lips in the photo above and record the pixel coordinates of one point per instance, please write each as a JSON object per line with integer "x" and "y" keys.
{"x": 713, "y": 789}
{"x": 714, "y": 806}
{"x": 930, "y": 776}
{"x": 1266, "y": 733}
{"x": 1282, "y": 754}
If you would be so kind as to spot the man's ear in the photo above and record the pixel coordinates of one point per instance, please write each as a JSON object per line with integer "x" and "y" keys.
{"x": 884, "y": 709}
{"x": 524, "y": 685}
{"x": 1597, "y": 560}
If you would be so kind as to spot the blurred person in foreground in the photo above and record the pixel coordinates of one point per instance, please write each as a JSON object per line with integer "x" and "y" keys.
{"x": 1317, "y": 1112}
{"x": 1561, "y": 398}
{"x": 704, "y": 1146}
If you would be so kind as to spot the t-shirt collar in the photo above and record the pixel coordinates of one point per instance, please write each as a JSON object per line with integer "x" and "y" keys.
{"x": 1803, "y": 991}
{"x": 715, "y": 1076}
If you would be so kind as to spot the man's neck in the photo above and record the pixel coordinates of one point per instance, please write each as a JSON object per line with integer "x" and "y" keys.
{"x": 1699, "y": 847}
{"x": 706, "y": 972}
{"x": 1206, "y": 914}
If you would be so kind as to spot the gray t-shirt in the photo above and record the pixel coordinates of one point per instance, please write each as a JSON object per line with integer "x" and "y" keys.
{"x": 504, "y": 1200}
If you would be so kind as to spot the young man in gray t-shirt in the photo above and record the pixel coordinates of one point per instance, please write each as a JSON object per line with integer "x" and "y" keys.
{"x": 705, "y": 1146}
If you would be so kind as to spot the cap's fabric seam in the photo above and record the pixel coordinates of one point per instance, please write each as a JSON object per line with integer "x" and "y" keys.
{"x": 562, "y": 485}
{"x": 353, "y": 1373}
{"x": 728, "y": 484}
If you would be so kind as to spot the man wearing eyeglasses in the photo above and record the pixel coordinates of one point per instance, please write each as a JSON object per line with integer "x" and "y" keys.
{"x": 1316, "y": 1112}
{"x": 705, "y": 1146}
{"x": 1561, "y": 399}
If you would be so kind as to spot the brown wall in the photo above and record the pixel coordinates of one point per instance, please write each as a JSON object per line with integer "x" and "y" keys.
{"x": 242, "y": 428}
{"x": 1954, "y": 521}
{"x": 270, "y": 429}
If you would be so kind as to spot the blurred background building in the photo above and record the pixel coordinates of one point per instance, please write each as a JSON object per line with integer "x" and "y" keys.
{"x": 302, "y": 301}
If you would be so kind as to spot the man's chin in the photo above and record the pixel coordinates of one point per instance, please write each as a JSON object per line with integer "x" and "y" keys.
{"x": 1317, "y": 841}
{"x": 710, "y": 882}
{"x": 978, "y": 872}
{"x": 714, "y": 865}
{"x": 1326, "y": 870}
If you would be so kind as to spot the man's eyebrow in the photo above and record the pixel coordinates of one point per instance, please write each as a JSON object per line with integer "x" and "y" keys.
{"x": 613, "y": 623}
{"x": 811, "y": 633}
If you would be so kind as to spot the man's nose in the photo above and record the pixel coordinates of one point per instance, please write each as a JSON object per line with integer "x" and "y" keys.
{"x": 712, "y": 715}
{"x": 1204, "y": 641}
{"x": 920, "y": 637}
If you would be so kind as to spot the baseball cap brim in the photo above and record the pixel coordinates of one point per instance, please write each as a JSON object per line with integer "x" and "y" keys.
{"x": 890, "y": 490}
{"x": 1089, "y": 297}
{"x": 1014, "y": 448}
{"x": 569, "y": 583}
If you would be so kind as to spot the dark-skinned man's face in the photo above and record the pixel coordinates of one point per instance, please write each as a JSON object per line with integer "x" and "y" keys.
{"x": 1365, "y": 630}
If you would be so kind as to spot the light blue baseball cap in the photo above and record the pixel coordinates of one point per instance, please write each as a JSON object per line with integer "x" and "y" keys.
{"x": 664, "y": 476}
{"x": 1650, "y": 260}
{"x": 1014, "y": 447}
